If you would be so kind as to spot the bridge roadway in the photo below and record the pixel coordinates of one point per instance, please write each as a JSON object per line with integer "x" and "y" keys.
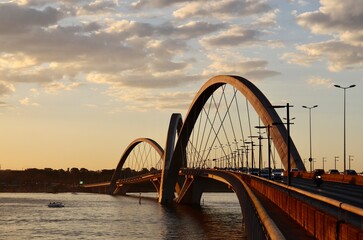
{"x": 347, "y": 193}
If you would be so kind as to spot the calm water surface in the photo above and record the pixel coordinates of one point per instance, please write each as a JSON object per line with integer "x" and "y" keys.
{"x": 96, "y": 216}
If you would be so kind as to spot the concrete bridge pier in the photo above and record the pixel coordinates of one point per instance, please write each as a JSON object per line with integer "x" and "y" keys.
{"x": 121, "y": 190}
{"x": 192, "y": 190}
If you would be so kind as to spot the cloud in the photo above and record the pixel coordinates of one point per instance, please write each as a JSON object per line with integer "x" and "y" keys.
{"x": 65, "y": 44}
{"x": 6, "y": 88}
{"x": 234, "y": 36}
{"x": 192, "y": 29}
{"x": 316, "y": 80}
{"x": 340, "y": 56}
{"x": 16, "y": 61}
{"x": 195, "y": 29}
{"x": 57, "y": 86}
{"x": 268, "y": 19}
{"x": 98, "y": 7}
{"x": 334, "y": 16}
{"x": 3, "y": 104}
{"x": 26, "y": 102}
{"x": 342, "y": 21}
{"x": 226, "y": 62}
{"x": 17, "y": 19}
{"x": 137, "y": 99}
{"x": 142, "y": 81}
{"x": 221, "y": 9}
{"x": 154, "y": 3}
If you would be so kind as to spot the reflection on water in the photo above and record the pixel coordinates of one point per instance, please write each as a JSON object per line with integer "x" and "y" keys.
{"x": 93, "y": 216}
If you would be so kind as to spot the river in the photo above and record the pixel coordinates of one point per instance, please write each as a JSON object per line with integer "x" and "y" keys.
{"x": 97, "y": 216}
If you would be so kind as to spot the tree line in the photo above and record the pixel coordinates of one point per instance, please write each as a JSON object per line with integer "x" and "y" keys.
{"x": 50, "y": 180}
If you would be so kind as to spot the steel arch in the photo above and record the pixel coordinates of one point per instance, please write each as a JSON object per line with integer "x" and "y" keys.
{"x": 126, "y": 153}
{"x": 261, "y": 105}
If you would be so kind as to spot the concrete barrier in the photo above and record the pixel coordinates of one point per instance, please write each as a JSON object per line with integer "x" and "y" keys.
{"x": 321, "y": 224}
{"x": 339, "y": 178}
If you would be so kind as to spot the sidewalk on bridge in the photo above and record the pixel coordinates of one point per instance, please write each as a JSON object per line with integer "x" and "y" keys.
{"x": 288, "y": 227}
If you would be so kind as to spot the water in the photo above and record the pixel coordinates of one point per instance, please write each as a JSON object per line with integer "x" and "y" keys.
{"x": 96, "y": 216}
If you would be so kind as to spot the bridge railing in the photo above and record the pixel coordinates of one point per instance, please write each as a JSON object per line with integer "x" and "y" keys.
{"x": 137, "y": 178}
{"x": 339, "y": 178}
{"x": 258, "y": 218}
{"x": 258, "y": 224}
{"x": 323, "y": 217}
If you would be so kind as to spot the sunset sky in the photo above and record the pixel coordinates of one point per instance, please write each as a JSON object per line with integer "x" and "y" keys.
{"x": 79, "y": 80}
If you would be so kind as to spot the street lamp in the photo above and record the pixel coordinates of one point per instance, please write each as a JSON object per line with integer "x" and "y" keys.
{"x": 350, "y": 159}
{"x": 252, "y": 151}
{"x": 310, "y": 158}
{"x": 324, "y": 160}
{"x": 335, "y": 162}
{"x": 252, "y": 155}
{"x": 269, "y": 148}
{"x": 345, "y": 149}
{"x": 247, "y": 166}
{"x": 288, "y": 139}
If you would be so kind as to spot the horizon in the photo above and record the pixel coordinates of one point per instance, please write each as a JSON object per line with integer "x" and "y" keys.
{"x": 79, "y": 81}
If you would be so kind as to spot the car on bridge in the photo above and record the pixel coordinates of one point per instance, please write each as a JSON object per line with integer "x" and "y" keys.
{"x": 253, "y": 171}
{"x": 350, "y": 172}
{"x": 333, "y": 171}
{"x": 319, "y": 172}
{"x": 264, "y": 173}
{"x": 277, "y": 174}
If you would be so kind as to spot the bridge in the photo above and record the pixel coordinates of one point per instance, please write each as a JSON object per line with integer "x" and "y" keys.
{"x": 217, "y": 144}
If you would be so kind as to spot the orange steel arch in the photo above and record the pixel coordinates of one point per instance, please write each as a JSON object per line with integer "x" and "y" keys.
{"x": 126, "y": 153}
{"x": 261, "y": 105}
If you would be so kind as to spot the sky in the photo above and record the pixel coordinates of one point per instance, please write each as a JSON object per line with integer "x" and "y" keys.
{"x": 80, "y": 80}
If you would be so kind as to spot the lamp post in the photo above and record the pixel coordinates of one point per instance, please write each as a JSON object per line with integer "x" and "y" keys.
{"x": 310, "y": 158}
{"x": 324, "y": 160}
{"x": 335, "y": 162}
{"x": 252, "y": 155}
{"x": 345, "y": 149}
{"x": 269, "y": 148}
{"x": 247, "y": 166}
{"x": 240, "y": 155}
{"x": 350, "y": 159}
{"x": 288, "y": 139}
{"x": 235, "y": 151}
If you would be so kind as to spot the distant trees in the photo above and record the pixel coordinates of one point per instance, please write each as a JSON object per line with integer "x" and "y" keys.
{"x": 52, "y": 180}
{"x": 49, "y": 180}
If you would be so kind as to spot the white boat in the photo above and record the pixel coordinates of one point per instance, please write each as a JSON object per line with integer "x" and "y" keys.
{"x": 55, "y": 205}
